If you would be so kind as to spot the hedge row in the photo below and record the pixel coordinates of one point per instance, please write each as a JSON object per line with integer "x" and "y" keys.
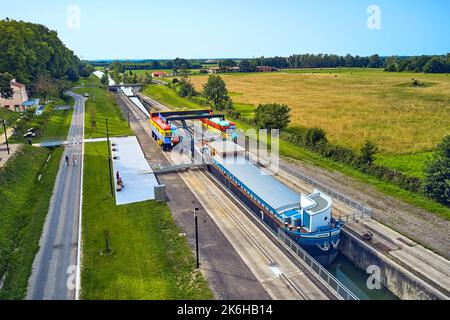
{"x": 297, "y": 136}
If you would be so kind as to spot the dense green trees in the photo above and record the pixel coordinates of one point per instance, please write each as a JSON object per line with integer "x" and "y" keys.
{"x": 427, "y": 64}
{"x": 437, "y": 65}
{"x": 246, "y": 65}
{"x": 45, "y": 87}
{"x": 5, "y": 85}
{"x": 437, "y": 181}
{"x": 272, "y": 116}
{"x": 215, "y": 91}
{"x": 86, "y": 70}
{"x": 28, "y": 50}
{"x": 105, "y": 79}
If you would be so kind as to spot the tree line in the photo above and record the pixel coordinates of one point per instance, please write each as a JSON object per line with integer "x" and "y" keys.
{"x": 424, "y": 63}
{"x": 29, "y": 52}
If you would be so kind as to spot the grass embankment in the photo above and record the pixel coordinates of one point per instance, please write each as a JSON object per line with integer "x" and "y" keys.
{"x": 57, "y": 127}
{"x": 24, "y": 206}
{"x": 168, "y": 97}
{"x": 150, "y": 260}
{"x": 104, "y": 106}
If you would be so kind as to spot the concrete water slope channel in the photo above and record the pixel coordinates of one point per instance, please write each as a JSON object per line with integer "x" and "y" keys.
{"x": 55, "y": 265}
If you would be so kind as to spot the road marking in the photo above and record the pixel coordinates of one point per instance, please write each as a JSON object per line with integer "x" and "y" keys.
{"x": 80, "y": 216}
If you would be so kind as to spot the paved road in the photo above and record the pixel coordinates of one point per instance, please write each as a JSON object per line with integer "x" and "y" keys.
{"x": 54, "y": 268}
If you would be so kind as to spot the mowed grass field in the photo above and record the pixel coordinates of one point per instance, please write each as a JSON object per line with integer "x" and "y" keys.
{"x": 151, "y": 261}
{"x": 352, "y": 105}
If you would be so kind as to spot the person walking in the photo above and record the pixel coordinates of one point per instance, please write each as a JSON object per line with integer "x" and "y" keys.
{"x": 67, "y": 160}
{"x": 74, "y": 160}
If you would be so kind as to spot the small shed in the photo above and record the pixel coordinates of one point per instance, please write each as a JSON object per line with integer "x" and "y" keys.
{"x": 30, "y": 103}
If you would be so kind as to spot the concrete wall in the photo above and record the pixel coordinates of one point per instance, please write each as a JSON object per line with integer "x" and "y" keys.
{"x": 394, "y": 277}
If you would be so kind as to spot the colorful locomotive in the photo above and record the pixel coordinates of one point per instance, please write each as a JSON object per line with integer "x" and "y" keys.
{"x": 164, "y": 133}
{"x": 227, "y": 128}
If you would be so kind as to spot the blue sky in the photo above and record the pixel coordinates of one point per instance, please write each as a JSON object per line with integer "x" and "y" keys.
{"x": 247, "y": 28}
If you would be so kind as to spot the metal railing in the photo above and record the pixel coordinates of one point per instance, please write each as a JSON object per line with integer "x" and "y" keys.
{"x": 350, "y": 218}
{"x": 365, "y": 211}
{"x": 318, "y": 269}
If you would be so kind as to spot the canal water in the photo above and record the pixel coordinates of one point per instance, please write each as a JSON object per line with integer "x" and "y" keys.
{"x": 355, "y": 280}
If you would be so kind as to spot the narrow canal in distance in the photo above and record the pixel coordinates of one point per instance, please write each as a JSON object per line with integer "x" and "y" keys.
{"x": 355, "y": 280}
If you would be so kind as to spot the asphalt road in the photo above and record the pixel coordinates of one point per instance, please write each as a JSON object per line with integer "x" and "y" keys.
{"x": 54, "y": 267}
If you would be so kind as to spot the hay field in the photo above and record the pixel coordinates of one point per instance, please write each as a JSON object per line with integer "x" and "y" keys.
{"x": 352, "y": 105}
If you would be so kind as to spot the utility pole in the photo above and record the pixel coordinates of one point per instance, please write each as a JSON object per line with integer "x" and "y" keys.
{"x": 107, "y": 137}
{"x": 109, "y": 158}
{"x": 110, "y": 176}
{"x": 196, "y": 237}
{"x": 6, "y": 135}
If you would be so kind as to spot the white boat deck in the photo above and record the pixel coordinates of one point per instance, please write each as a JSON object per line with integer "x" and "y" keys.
{"x": 134, "y": 170}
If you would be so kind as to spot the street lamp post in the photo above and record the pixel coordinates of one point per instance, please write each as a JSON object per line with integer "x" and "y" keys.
{"x": 109, "y": 158}
{"x": 110, "y": 177}
{"x": 6, "y": 135}
{"x": 196, "y": 236}
{"x": 107, "y": 138}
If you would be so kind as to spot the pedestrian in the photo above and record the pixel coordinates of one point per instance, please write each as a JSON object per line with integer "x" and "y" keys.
{"x": 74, "y": 160}
{"x": 67, "y": 160}
{"x": 117, "y": 176}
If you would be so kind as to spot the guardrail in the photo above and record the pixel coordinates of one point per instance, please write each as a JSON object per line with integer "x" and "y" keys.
{"x": 365, "y": 211}
{"x": 319, "y": 270}
{"x": 350, "y": 218}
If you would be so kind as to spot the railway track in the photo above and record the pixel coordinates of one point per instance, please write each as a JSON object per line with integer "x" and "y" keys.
{"x": 288, "y": 279}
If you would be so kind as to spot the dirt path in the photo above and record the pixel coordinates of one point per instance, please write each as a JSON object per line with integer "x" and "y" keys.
{"x": 424, "y": 227}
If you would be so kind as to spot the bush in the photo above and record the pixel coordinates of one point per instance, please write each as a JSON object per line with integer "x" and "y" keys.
{"x": 437, "y": 181}
{"x": 315, "y": 136}
{"x": 186, "y": 89}
{"x": 272, "y": 116}
{"x": 368, "y": 150}
{"x": 393, "y": 67}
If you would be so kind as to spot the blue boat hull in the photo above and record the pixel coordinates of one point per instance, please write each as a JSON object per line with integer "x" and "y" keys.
{"x": 323, "y": 250}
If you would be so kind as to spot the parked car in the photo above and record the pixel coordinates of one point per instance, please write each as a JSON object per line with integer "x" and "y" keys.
{"x": 31, "y": 133}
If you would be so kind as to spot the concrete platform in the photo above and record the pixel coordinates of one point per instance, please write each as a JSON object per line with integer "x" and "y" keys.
{"x": 134, "y": 170}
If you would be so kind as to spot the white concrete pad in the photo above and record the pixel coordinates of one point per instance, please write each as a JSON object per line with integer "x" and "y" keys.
{"x": 136, "y": 173}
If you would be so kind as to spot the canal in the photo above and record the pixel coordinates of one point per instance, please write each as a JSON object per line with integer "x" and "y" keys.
{"x": 355, "y": 280}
